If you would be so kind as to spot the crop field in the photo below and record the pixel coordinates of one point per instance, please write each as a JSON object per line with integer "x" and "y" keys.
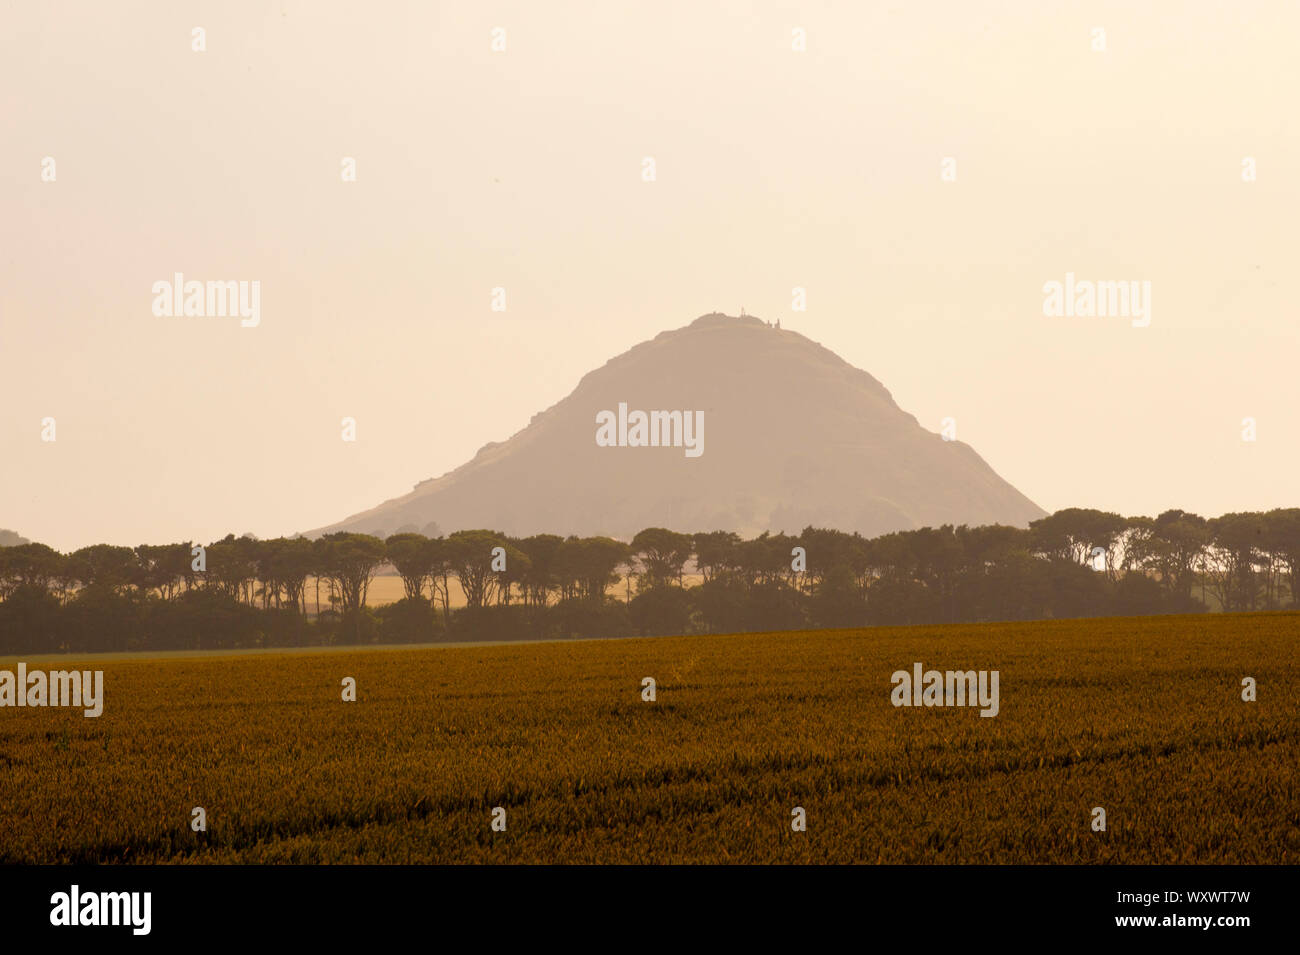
{"x": 1143, "y": 717}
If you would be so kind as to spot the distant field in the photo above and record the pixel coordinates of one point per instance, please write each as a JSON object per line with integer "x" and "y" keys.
{"x": 1141, "y": 716}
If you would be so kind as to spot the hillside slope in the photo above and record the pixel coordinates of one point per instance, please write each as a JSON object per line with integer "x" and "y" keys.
{"x": 793, "y": 435}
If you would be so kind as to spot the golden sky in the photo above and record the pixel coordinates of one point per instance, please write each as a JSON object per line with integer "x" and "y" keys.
{"x": 522, "y": 169}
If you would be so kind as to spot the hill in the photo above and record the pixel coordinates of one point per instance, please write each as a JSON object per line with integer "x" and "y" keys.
{"x": 10, "y": 538}
{"x": 792, "y": 435}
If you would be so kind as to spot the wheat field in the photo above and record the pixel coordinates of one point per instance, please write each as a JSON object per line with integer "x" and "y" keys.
{"x": 1143, "y": 717}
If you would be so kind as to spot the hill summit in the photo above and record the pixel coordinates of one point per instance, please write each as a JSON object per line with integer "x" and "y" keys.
{"x": 787, "y": 435}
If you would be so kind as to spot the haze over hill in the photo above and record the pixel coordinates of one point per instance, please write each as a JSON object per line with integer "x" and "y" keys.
{"x": 793, "y": 435}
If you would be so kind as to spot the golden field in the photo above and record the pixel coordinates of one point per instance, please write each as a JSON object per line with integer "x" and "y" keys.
{"x": 1141, "y": 716}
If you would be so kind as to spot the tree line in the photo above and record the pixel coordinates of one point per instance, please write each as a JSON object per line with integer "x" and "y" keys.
{"x": 244, "y": 592}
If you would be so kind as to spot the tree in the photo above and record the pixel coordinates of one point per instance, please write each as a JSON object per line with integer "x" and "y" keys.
{"x": 350, "y": 562}
{"x": 1172, "y": 547}
{"x": 663, "y": 555}
{"x": 440, "y": 571}
{"x": 717, "y": 554}
{"x": 409, "y": 553}
{"x": 1073, "y": 534}
{"x": 471, "y": 557}
{"x": 540, "y": 578}
{"x": 513, "y": 574}
{"x": 232, "y": 567}
{"x": 595, "y": 560}
{"x": 163, "y": 567}
{"x": 292, "y": 561}
{"x": 940, "y": 562}
{"x": 105, "y": 566}
{"x": 29, "y": 565}
{"x": 1282, "y": 539}
{"x": 1235, "y": 544}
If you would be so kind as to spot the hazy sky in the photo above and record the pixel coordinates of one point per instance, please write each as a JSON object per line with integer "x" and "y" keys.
{"x": 523, "y": 169}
